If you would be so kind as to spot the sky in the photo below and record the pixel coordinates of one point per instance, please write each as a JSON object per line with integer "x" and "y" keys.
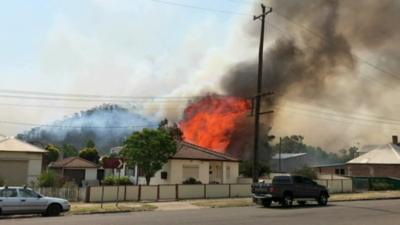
{"x": 159, "y": 48}
{"x": 118, "y": 47}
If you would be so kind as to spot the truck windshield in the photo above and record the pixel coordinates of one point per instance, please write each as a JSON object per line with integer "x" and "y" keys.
{"x": 281, "y": 180}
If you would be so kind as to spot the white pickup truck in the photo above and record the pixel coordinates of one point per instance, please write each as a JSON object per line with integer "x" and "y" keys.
{"x": 22, "y": 200}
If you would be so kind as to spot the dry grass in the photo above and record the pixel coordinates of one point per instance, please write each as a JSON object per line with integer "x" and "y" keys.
{"x": 365, "y": 196}
{"x": 83, "y": 208}
{"x": 222, "y": 203}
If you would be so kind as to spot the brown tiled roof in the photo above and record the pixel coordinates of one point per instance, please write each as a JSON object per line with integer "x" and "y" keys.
{"x": 190, "y": 151}
{"x": 73, "y": 162}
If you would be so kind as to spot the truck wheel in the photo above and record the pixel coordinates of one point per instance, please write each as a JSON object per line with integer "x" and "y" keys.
{"x": 53, "y": 210}
{"x": 323, "y": 199}
{"x": 266, "y": 203}
{"x": 302, "y": 203}
{"x": 287, "y": 200}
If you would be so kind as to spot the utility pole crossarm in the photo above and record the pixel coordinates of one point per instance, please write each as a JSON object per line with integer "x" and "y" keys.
{"x": 264, "y": 14}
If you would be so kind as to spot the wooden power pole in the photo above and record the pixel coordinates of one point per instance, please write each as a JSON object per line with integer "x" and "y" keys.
{"x": 259, "y": 90}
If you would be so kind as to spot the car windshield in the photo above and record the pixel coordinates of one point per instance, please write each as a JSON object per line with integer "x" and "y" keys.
{"x": 26, "y": 193}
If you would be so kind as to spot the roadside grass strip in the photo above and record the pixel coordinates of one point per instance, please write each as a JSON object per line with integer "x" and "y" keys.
{"x": 79, "y": 209}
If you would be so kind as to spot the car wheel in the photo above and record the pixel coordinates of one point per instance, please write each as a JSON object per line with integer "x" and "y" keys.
{"x": 302, "y": 203}
{"x": 287, "y": 200}
{"x": 53, "y": 210}
{"x": 266, "y": 202}
{"x": 323, "y": 199}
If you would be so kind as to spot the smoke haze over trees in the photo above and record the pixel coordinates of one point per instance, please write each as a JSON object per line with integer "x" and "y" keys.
{"x": 106, "y": 125}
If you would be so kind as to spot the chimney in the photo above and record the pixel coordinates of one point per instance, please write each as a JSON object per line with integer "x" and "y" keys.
{"x": 395, "y": 139}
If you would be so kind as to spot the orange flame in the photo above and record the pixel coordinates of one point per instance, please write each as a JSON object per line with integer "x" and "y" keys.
{"x": 211, "y": 121}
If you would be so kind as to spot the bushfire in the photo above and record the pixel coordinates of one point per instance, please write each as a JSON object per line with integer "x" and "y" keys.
{"x": 211, "y": 121}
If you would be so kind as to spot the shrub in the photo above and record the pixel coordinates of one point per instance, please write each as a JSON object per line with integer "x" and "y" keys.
{"x": 2, "y": 182}
{"x": 191, "y": 180}
{"x": 124, "y": 181}
{"x": 381, "y": 186}
{"x": 113, "y": 180}
{"x": 49, "y": 179}
{"x": 307, "y": 172}
{"x": 246, "y": 169}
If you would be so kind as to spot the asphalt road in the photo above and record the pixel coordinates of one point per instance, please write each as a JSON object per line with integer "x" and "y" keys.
{"x": 355, "y": 213}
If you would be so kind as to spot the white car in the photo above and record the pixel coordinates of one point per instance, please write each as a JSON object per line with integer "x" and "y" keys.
{"x": 22, "y": 200}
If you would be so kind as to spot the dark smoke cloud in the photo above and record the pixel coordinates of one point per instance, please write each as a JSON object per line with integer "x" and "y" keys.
{"x": 327, "y": 38}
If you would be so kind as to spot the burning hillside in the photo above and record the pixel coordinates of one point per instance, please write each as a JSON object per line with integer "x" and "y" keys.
{"x": 212, "y": 121}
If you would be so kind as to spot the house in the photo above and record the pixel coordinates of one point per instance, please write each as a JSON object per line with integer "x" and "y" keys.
{"x": 338, "y": 169}
{"x": 382, "y": 161}
{"x": 20, "y": 162}
{"x": 192, "y": 161}
{"x": 75, "y": 169}
{"x": 290, "y": 162}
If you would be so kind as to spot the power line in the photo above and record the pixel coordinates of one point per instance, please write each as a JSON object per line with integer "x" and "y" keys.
{"x": 7, "y": 91}
{"x": 200, "y": 8}
{"x": 76, "y": 127}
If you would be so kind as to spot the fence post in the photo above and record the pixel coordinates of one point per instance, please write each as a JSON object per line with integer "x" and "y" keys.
{"x": 342, "y": 185}
{"x": 229, "y": 190}
{"x": 158, "y": 192}
{"x": 139, "y": 192}
{"x": 177, "y": 192}
{"x": 205, "y": 191}
{"x": 102, "y": 195}
{"x": 87, "y": 194}
{"x": 125, "y": 194}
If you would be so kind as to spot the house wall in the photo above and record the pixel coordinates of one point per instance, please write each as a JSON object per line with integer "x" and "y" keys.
{"x": 91, "y": 174}
{"x": 34, "y": 162}
{"x": 176, "y": 170}
{"x": 331, "y": 170}
{"x": 374, "y": 170}
{"x": 233, "y": 171}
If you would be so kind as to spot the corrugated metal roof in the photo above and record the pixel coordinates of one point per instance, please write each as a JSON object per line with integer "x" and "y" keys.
{"x": 11, "y": 144}
{"x": 383, "y": 154}
{"x": 288, "y": 155}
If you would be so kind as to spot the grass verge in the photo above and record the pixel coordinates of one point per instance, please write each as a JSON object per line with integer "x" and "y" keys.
{"x": 223, "y": 203}
{"x": 79, "y": 209}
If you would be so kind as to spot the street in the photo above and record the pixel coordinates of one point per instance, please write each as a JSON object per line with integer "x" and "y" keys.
{"x": 349, "y": 213}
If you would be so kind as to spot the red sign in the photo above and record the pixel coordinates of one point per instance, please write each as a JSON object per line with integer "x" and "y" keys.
{"x": 112, "y": 163}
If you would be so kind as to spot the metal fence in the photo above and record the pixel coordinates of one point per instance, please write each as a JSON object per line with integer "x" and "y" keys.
{"x": 73, "y": 194}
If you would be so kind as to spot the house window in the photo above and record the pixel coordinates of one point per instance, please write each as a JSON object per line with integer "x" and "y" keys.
{"x": 190, "y": 171}
{"x": 342, "y": 172}
{"x": 228, "y": 172}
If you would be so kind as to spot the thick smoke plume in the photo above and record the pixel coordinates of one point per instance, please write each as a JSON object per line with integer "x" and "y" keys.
{"x": 326, "y": 46}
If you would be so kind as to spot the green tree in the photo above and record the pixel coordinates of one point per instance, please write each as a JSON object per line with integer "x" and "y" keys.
{"x": 348, "y": 154}
{"x": 174, "y": 131}
{"x": 90, "y": 144}
{"x": 306, "y": 171}
{"x": 149, "y": 149}
{"x": 89, "y": 154}
{"x": 49, "y": 179}
{"x": 69, "y": 150}
{"x": 246, "y": 169}
{"x": 53, "y": 152}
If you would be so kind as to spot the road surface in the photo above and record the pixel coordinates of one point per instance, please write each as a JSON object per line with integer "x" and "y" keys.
{"x": 349, "y": 213}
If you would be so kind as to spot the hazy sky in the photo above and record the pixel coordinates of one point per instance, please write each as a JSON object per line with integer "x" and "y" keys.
{"x": 118, "y": 47}
{"x": 149, "y": 48}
